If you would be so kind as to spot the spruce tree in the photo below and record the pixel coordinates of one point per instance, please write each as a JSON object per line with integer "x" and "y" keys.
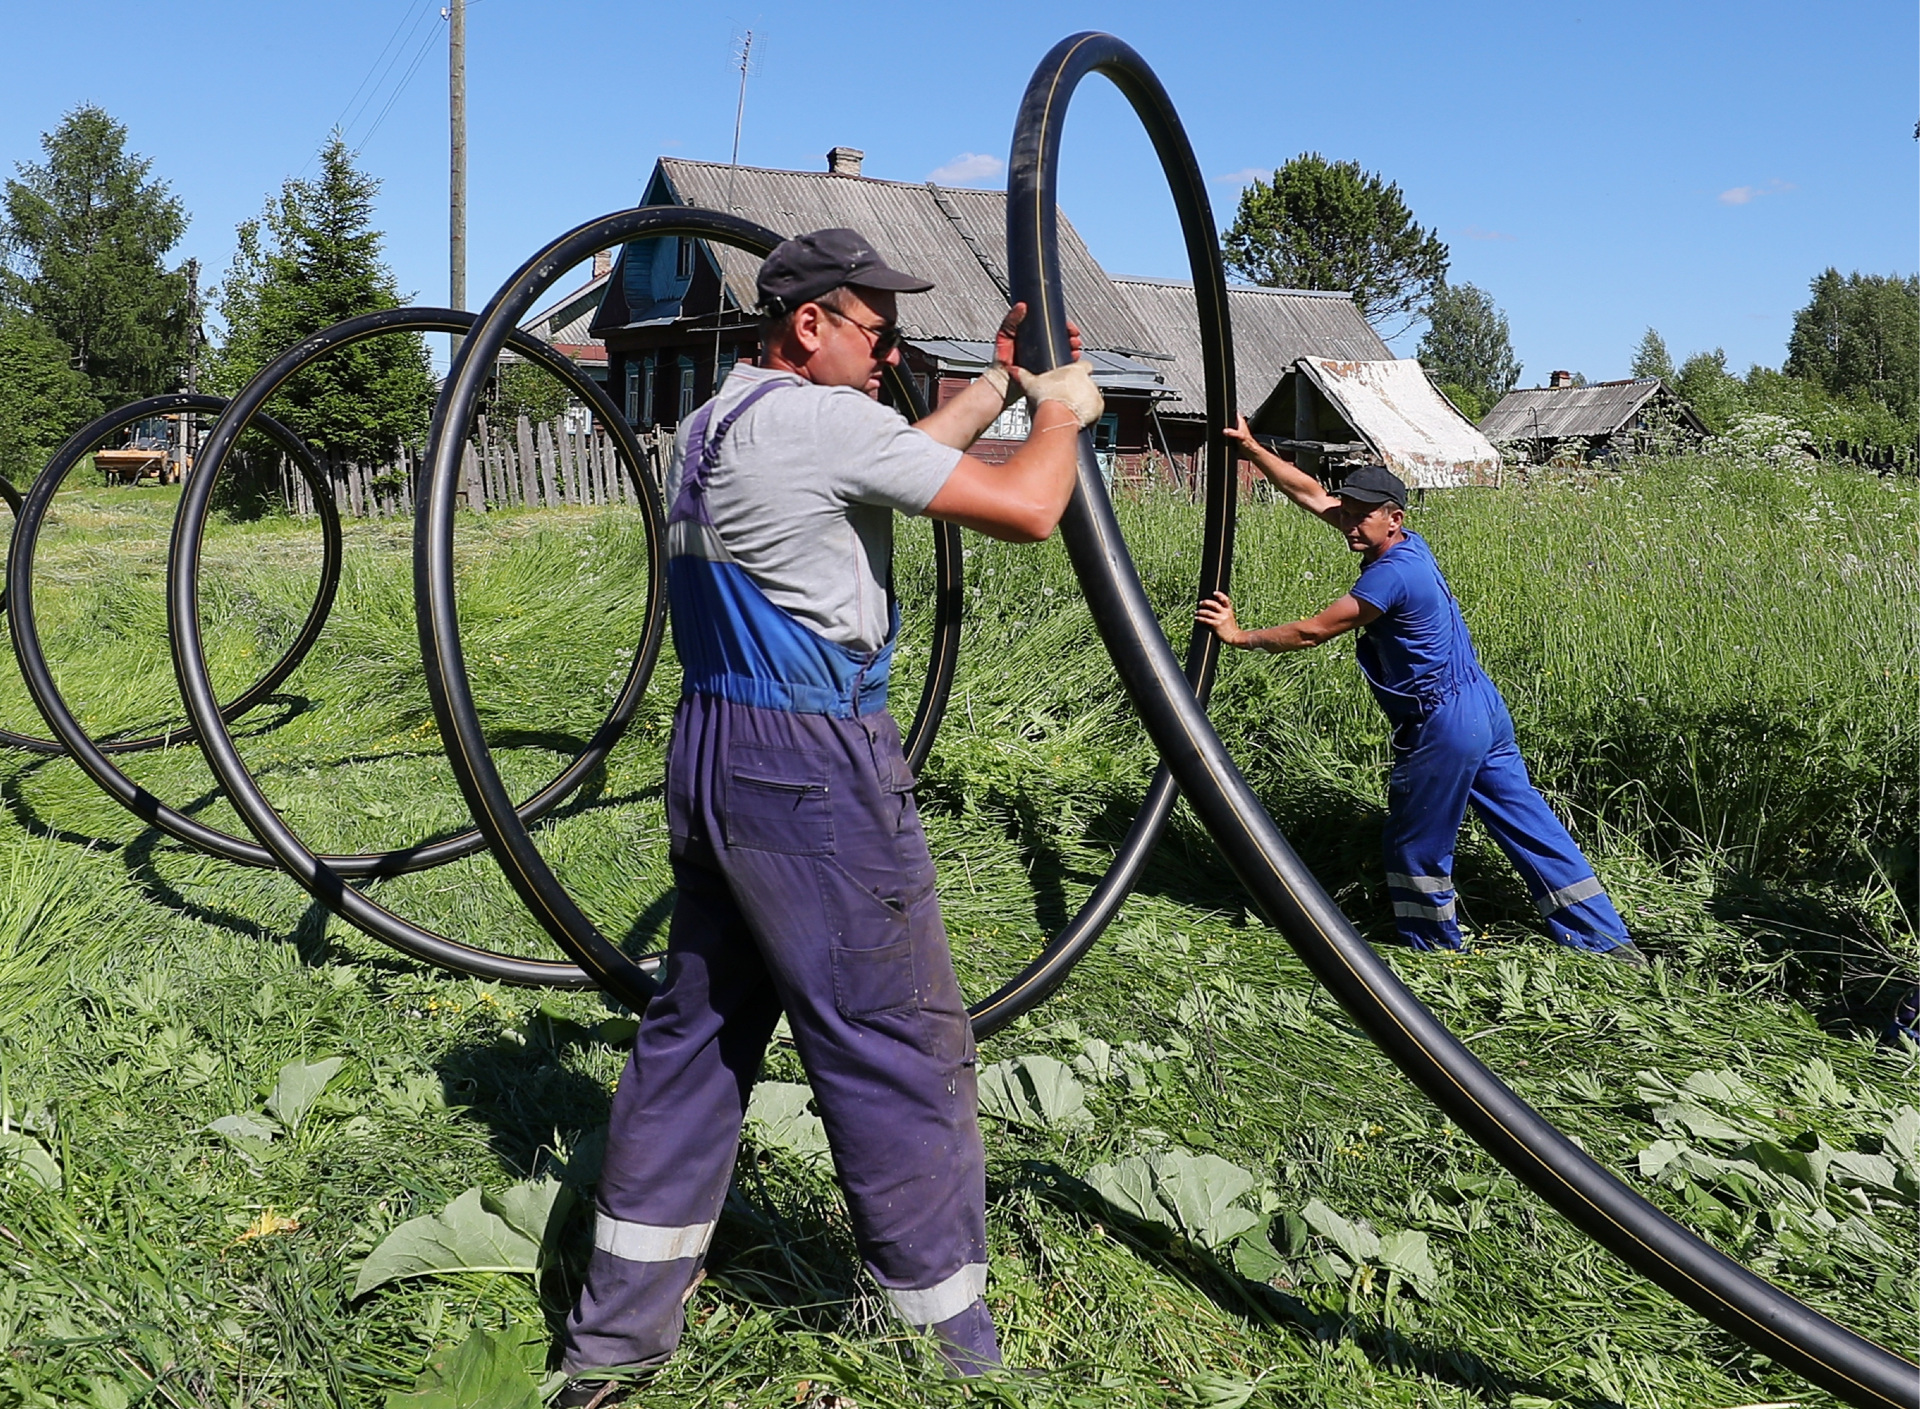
{"x": 1329, "y": 225}
{"x": 313, "y": 259}
{"x": 87, "y": 232}
{"x": 1651, "y": 358}
{"x": 43, "y": 398}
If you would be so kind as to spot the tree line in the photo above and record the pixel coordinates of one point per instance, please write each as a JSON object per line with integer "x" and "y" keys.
{"x": 92, "y": 315}
{"x": 1852, "y": 369}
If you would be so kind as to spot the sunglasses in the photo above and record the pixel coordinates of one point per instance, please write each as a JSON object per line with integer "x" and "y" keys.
{"x": 886, "y": 336}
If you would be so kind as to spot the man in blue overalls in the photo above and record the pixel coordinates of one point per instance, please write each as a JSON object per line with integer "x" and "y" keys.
{"x": 804, "y": 884}
{"x": 1452, "y": 737}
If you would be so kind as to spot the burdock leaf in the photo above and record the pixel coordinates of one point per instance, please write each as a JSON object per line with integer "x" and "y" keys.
{"x": 779, "y": 1108}
{"x": 244, "y": 1127}
{"x": 1356, "y": 1240}
{"x": 1128, "y": 1186}
{"x": 533, "y": 1208}
{"x": 1409, "y": 1254}
{"x": 482, "y": 1372}
{"x": 1200, "y": 1191}
{"x": 463, "y": 1237}
{"x": 1036, "y": 1091}
{"x": 298, "y": 1087}
{"x": 21, "y": 1154}
{"x": 1254, "y": 1256}
{"x": 1699, "y": 1121}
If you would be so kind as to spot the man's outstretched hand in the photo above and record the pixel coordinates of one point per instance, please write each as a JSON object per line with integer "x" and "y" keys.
{"x": 1216, "y": 614}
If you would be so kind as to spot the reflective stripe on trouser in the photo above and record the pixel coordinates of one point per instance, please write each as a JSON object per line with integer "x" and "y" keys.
{"x": 804, "y": 886}
{"x": 1463, "y": 754}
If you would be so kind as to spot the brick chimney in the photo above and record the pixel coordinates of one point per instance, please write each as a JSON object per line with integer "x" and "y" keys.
{"x": 602, "y": 263}
{"x": 845, "y": 161}
{"x": 1560, "y": 379}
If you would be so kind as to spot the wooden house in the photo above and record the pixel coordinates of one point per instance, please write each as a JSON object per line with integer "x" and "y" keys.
{"x": 1605, "y": 418}
{"x": 677, "y": 312}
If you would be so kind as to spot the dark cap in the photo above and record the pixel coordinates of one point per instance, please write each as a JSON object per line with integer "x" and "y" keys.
{"x": 1373, "y": 484}
{"x": 807, "y": 266}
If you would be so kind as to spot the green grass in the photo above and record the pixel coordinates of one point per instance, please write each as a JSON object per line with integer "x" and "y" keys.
{"x": 1710, "y": 667}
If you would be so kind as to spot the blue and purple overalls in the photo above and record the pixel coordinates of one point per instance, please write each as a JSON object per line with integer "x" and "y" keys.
{"x": 1453, "y": 749}
{"x": 804, "y": 887}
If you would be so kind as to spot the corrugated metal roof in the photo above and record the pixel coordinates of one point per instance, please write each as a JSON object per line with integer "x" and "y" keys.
{"x": 936, "y": 238}
{"x": 1112, "y": 371}
{"x": 1272, "y": 329}
{"x": 1407, "y": 422}
{"x": 1548, "y": 413}
{"x": 565, "y": 322}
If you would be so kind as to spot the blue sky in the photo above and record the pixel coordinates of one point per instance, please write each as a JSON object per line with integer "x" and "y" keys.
{"x": 1597, "y": 168}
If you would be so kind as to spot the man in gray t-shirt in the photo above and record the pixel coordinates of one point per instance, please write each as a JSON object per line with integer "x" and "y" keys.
{"x": 804, "y": 495}
{"x": 803, "y": 881}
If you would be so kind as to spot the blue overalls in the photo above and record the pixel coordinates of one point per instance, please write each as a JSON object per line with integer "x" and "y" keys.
{"x": 1454, "y": 748}
{"x": 804, "y": 887}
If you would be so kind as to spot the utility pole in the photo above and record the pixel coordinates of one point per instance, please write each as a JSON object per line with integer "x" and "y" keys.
{"x": 456, "y": 13}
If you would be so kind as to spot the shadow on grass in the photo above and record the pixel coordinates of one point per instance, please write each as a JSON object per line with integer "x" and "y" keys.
{"x": 1832, "y": 958}
{"x": 1260, "y": 1305}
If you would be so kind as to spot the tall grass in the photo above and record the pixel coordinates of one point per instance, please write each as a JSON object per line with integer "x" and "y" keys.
{"x": 1710, "y": 665}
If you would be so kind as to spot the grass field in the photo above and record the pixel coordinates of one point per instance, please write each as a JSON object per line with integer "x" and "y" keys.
{"x": 1205, "y": 1187}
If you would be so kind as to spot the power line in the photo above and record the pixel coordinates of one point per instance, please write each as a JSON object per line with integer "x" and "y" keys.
{"x": 419, "y": 55}
{"x": 351, "y": 113}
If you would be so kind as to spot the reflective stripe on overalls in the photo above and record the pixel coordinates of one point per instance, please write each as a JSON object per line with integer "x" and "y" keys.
{"x": 1453, "y": 749}
{"x": 804, "y": 887}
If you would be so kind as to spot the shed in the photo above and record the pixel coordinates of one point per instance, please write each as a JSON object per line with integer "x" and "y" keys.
{"x": 1607, "y": 417}
{"x": 1329, "y": 412}
{"x": 1272, "y": 330}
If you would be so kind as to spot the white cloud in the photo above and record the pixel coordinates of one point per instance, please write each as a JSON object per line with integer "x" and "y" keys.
{"x": 1246, "y": 175}
{"x": 1741, "y": 195}
{"x": 967, "y": 169}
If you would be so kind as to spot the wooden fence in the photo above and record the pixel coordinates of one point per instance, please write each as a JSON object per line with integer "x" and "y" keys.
{"x": 531, "y": 466}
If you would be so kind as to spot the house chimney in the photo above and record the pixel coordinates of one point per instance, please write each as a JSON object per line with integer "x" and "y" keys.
{"x": 845, "y": 161}
{"x": 602, "y": 263}
{"x": 1560, "y": 379}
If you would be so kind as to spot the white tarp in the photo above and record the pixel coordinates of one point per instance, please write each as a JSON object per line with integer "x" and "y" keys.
{"x": 1408, "y": 423}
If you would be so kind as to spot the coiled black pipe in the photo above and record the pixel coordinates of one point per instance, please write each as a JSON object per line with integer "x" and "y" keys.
{"x": 459, "y": 722}
{"x": 29, "y": 515}
{"x": 1766, "y": 1318}
{"x": 325, "y": 877}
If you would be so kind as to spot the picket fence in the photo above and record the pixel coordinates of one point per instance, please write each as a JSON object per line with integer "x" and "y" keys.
{"x": 540, "y": 465}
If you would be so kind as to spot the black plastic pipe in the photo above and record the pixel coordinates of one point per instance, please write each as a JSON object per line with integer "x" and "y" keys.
{"x": 325, "y": 877}
{"x": 459, "y": 722}
{"x": 1757, "y": 1312}
{"x": 29, "y": 515}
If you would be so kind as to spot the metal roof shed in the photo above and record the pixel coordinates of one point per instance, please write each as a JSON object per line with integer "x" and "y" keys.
{"x": 1392, "y": 409}
{"x": 1272, "y": 329}
{"x": 1594, "y": 413}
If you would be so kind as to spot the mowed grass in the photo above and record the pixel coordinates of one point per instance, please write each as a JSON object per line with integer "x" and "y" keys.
{"x": 1710, "y": 664}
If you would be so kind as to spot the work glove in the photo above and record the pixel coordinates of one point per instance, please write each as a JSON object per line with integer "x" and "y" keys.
{"x": 1071, "y": 385}
{"x": 1001, "y": 380}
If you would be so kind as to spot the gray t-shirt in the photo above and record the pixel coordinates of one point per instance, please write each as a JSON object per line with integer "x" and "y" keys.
{"x": 804, "y": 495}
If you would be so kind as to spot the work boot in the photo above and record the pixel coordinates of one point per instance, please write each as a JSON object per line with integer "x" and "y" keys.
{"x": 592, "y": 1394}
{"x": 1628, "y": 953}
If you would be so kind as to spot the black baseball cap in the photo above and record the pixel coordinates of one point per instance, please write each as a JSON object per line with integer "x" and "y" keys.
{"x": 1374, "y": 484}
{"x": 807, "y": 266}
